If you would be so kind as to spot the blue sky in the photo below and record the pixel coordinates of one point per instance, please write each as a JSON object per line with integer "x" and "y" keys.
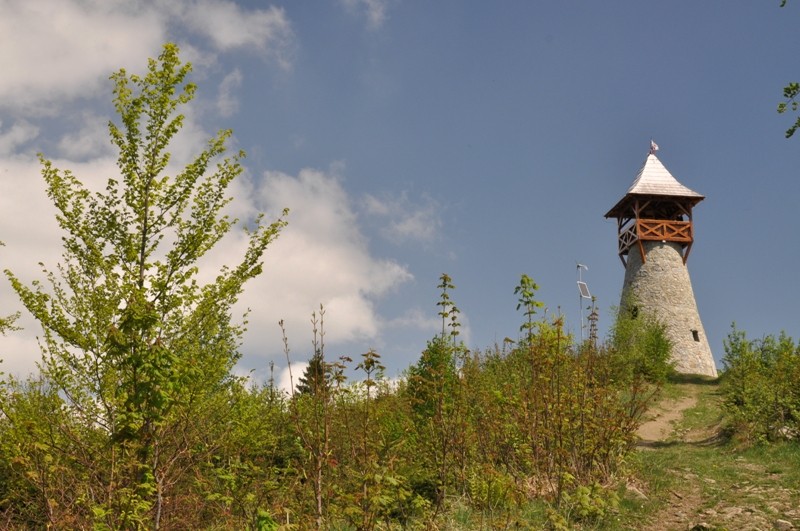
{"x": 481, "y": 139}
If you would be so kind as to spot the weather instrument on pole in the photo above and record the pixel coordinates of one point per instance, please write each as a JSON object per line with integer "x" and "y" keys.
{"x": 583, "y": 292}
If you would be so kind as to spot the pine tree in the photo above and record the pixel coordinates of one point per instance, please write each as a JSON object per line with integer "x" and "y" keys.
{"x": 315, "y": 377}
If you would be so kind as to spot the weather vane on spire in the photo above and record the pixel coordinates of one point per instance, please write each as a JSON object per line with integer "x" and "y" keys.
{"x": 653, "y": 147}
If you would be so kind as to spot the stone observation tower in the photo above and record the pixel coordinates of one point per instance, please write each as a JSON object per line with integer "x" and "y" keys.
{"x": 655, "y": 236}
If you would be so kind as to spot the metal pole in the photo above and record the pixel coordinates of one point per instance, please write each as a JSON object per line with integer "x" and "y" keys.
{"x": 579, "y": 267}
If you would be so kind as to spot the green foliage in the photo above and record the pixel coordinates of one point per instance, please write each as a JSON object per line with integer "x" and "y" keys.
{"x": 448, "y": 310}
{"x": 315, "y": 377}
{"x": 312, "y": 416}
{"x": 642, "y": 349}
{"x": 761, "y": 386}
{"x": 590, "y": 502}
{"x": 40, "y": 482}
{"x": 265, "y": 522}
{"x": 133, "y": 344}
{"x": 505, "y": 427}
{"x": 491, "y": 491}
{"x": 526, "y": 291}
{"x": 165, "y": 437}
{"x": 433, "y": 379}
{"x": 790, "y": 93}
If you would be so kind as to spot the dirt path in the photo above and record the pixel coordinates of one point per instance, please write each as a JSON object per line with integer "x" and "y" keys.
{"x": 660, "y": 427}
{"x": 748, "y": 496}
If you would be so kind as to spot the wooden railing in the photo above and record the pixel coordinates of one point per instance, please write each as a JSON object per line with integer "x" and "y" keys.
{"x": 656, "y": 230}
{"x": 665, "y": 230}
{"x": 626, "y": 240}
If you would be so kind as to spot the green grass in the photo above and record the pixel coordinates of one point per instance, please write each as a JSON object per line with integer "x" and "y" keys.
{"x": 724, "y": 474}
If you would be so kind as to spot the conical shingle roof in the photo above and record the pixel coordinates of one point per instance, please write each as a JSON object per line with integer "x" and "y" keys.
{"x": 654, "y": 179}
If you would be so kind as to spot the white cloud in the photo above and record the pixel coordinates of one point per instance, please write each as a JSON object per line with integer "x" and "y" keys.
{"x": 419, "y": 225}
{"x": 90, "y": 140}
{"x": 53, "y": 51}
{"x": 27, "y": 224}
{"x": 417, "y": 319}
{"x": 374, "y": 10}
{"x": 22, "y": 131}
{"x": 430, "y": 322}
{"x": 29, "y": 230}
{"x": 406, "y": 221}
{"x": 290, "y": 375}
{"x": 267, "y": 31}
{"x": 19, "y": 351}
{"x": 321, "y": 257}
{"x": 227, "y": 104}
{"x": 376, "y": 206}
{"x": 64, "y": 50}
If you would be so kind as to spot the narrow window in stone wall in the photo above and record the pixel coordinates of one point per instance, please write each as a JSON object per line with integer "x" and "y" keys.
{"x": 696, "y": 335}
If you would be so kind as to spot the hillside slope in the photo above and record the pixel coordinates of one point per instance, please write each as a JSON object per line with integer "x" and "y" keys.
{"x": 693, "y": 478}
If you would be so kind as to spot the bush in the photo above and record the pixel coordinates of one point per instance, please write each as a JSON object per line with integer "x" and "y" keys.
{"x": 761, "y": 386}
{"x": 541, "y": 422}
{"x": 641, "y": 347}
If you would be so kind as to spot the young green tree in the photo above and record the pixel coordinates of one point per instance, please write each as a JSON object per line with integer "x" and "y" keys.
{"x": 437, "y": 401}
{"x": 133, "y": 343}
{"x": 449, "y": 311}
{"x": 761, "y": 386}
{"x": 526, "y": 290}
{"x": 641, "y": 347}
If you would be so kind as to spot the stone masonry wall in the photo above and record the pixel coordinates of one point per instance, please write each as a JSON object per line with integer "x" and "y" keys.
{"x": 661, "y": 287}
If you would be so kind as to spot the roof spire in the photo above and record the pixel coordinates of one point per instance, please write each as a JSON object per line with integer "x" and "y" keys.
{"x": 653, "y": 147}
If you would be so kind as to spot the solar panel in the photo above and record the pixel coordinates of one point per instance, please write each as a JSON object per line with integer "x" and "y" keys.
{"x": 584, "y": 290}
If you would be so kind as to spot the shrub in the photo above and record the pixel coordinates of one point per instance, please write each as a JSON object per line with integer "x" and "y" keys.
{"x": 641, "y": 347}
{"x": 761, "y": 386}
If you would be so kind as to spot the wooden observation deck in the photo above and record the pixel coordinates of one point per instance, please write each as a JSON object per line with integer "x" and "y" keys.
{"x": 656, "y": 208}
